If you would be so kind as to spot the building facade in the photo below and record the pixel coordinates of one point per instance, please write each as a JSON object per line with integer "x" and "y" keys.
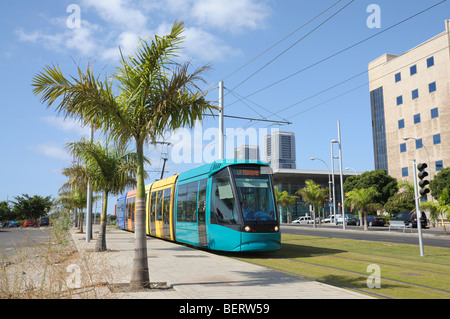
{"x": 280, "y": 150}
{"x": 248, "y": 152}
{"x": 410, "y": 105}
{"x": 292, "y": 180}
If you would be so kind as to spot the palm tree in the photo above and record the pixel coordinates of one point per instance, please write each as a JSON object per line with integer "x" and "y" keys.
{"x": 110, "y": 170}
{"x": 75, "y": 190}
{"x": 312, "y": 195}
{"x": 438, "y": 209}
{"x": 286, "y": 200}
{"x": 155, "y": 94}
{"x": 362, "y": 199}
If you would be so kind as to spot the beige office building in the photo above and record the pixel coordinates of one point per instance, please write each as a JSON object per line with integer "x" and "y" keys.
{"x": 410, "y": 98}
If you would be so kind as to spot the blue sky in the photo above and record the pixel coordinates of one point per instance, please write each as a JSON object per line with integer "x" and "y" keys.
{"x": 226, "y": 34}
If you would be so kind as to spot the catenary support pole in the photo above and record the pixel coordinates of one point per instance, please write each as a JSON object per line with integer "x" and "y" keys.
{"x": 221, "y": 134}
{"x": 342, "y": 180}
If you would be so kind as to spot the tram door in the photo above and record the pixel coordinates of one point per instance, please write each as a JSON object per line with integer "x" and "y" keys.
{"x": 202, "y": 240}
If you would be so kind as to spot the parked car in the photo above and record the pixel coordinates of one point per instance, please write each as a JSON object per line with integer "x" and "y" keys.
{"x": 44, "y": 221}
{"x": 13, "y": 223}
{"x": 1, "y": 224}
{"x": 410, "y": 218}
{"x": 29, "y": 223}
{"x": 350, "y": 219}
{"x": 303, "y": 220}
{"x": 375, "y": 220}
{"x": 330, "y": 219}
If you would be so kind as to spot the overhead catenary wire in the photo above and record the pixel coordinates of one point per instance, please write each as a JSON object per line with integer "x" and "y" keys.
{"x": 327, "y": 58}
{"x": 280, "y": 41}
{"x": 294, "y": 44}
{"x": 340, "y": 51}
{"x": 353, "y": 89}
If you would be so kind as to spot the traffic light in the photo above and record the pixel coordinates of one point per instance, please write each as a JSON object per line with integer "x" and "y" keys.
{"x": 423, "y": 183}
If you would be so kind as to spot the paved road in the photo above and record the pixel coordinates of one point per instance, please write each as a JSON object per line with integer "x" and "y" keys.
{"x": 431, "y": 237}
{"x": 13, "y": 238}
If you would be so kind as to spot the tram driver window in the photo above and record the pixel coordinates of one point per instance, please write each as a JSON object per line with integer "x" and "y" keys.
{"x": 223, "y": 208}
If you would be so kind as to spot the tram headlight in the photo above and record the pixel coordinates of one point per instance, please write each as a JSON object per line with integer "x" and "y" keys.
{"x": 275, "y": 228}
{"x": 247, "y": 228}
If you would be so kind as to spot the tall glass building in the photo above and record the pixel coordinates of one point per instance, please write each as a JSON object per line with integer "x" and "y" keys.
{"x": 280, "y": 150}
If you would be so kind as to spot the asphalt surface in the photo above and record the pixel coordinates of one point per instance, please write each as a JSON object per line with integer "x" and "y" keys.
{"x": 14, "y": 238}
{"x": 431, "y": 236}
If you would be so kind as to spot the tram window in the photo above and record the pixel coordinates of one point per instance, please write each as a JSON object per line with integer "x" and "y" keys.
{"x": 129, "y": 208}
{"x": 202, "y": 199}
{"x": 223, "y": 208}
{"x": 153, "y": 206}
{"x": 120, "y": 205}
{"x": 192, "y": 189}
{"x": 181, "y": 203}
{"x": 166, "y": 208}
{"x": 159, "y": 206}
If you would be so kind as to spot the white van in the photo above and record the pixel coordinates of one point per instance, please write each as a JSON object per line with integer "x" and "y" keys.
{"x": 303, "y": 220}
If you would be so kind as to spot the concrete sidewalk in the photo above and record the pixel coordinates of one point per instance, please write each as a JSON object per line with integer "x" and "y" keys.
{"x": 198, "y": 274}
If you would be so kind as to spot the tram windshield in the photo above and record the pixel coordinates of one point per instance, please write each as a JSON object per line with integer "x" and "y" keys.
{"x": 255, "y": 194}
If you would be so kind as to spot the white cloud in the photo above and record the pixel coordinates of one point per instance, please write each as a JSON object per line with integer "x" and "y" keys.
{"x": 119, "y": 12}
{"x": 234, "y": 15}
{"x": 82, "y": 39}
{"x": 123, "y": 22}
{"x": 51, "y": 150}
{"x": 127, "y": 41}
{"x": 67, "y": 125}
{"x": 204, "y": 45}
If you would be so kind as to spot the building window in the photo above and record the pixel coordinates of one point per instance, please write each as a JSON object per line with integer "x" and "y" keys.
{"x": 398, "y": 77}
{"x": 404, "y": 171}
{"x": 439, "y": 165}
{"x": 419, "y": 143}
{"x": 434, "y": 112}
{"x": 417, "y": 118}
{"x": 399, "y": 100}
{"x": 415, "y": 94}
{"x": 437, "y": 139}
{"x": 403, "y": 148}
{"x": 413, "y": 69}
{"x": 401, "y": 123}
{"x": 432, "y": 87}
{"x": 430, "y": 62}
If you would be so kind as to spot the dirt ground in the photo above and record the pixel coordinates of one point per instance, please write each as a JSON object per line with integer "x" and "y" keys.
{"x": 53, "y": 271}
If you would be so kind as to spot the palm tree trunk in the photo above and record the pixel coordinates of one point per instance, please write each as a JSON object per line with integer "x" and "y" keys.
{"x": 81, "y": 221}
{"x": 443, "y": 224}
{"x": 314, "y": 216}
{"x": 75, "y": 218}
{"x": 101, "y": 240}
{"x": 140, "y": 276}
{"x": 365, "y": 221}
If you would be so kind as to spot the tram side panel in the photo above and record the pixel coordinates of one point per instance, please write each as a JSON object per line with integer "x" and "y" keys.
{"x": 159, "y": 211}
{"x": 186, "y": 227}
{"x": 223, "y": 219}
{"x": 130, "y": 210}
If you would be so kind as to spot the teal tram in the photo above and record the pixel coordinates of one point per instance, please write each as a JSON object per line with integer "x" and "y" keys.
{"x": 228, "y": 205}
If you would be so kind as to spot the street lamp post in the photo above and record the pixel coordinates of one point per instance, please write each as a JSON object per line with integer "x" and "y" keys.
{"x": 334, "y": 190}
{"x": 339, "y": 142}
{"x": 349, "y": 168}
